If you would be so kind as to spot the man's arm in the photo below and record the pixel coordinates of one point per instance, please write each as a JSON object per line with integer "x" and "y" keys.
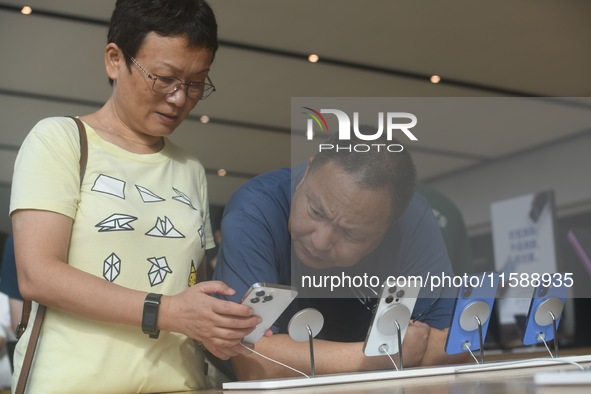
{"x": 422, "y": 346}
{"x": 435, "y": 353}
{"x": 330, "y": 357}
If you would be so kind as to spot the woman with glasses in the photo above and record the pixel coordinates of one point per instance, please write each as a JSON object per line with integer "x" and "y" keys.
{"x": 113, "y": 253}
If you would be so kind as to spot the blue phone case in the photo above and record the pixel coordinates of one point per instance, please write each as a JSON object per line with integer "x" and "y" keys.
{"x": 468, "y": 298}
{"x": 556, "y": 293}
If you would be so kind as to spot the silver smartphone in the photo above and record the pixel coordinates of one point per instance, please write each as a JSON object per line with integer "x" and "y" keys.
{"x": 391, "y": 316}
{"x": 268, "y": 300}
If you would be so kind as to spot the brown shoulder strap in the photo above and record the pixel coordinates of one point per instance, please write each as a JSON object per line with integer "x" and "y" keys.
{"x": 30, "y": 353}
{"x": 22, "y": 325}
{"x": 83, "y": 147}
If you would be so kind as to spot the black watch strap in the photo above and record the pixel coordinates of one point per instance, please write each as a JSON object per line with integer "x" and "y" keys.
{"x": 150, "y": 315}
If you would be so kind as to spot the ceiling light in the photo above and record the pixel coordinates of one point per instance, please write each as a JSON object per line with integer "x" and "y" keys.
{"x": 26, "y": 10}
{"x": 313, "y": 58}
{"x": 204, "y": 119}
{"x": 222, "y": 172}
{"x": 435, "y": 78}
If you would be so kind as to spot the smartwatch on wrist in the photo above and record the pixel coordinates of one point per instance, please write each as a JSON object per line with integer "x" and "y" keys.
{"x": 150, "y": 315}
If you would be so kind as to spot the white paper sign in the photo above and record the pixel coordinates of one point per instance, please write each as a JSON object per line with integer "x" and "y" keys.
{"x": 524, "y": 247}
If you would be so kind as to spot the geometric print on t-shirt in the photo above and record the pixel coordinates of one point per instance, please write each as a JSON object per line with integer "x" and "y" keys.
{"x": 162, "y": 227}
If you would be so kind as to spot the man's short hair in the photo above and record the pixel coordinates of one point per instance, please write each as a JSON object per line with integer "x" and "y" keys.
{"x": 132, "y": 20}
{"x": 374, "y": 169}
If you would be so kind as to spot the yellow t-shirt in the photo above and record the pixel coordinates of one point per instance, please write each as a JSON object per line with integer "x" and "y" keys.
{"x": 140, "y": 221}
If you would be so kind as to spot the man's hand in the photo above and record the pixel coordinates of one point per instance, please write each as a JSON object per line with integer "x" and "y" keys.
{"x": 415, "y": 343}
{"x": 219, "y": 325}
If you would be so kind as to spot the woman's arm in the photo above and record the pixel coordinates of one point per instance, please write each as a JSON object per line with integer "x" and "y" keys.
{"x": 41, "y": 249}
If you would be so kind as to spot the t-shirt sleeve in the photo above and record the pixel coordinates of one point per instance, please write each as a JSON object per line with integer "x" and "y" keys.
{"x": 47, "y": 170}
{"x": 246, "y": 253}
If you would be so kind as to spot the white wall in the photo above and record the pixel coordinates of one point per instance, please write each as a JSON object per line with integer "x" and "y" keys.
{"x": 562, "y": 167}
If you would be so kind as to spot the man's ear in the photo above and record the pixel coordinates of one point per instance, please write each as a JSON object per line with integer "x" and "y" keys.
{"x": 114, "y": 61}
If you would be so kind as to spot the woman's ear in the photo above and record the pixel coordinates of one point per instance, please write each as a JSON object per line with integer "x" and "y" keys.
{"x": 114, "y": 61}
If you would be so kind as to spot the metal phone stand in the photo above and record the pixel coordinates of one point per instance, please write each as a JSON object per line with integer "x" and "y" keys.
{"x": 304, "y": 326}
{"x": 473, "y": 317}
{"x": 391, "y": 322}
{"x": 548, "y": 313}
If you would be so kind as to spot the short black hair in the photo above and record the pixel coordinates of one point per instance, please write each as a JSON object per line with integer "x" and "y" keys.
{"x": 375, "y": 168}
{"x": 132, "y": 20}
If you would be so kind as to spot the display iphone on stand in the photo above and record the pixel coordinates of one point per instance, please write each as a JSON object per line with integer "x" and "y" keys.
{"x": 391, "y": 317}
{"x": 547, "y": 304}
{"x": 473, "y": 307}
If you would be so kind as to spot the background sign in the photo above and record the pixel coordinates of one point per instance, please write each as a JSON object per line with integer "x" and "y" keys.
{"x": 524, "y": 247}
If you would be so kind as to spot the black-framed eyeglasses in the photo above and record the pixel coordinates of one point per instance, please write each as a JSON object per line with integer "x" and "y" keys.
{"x": 169, "y": 85}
